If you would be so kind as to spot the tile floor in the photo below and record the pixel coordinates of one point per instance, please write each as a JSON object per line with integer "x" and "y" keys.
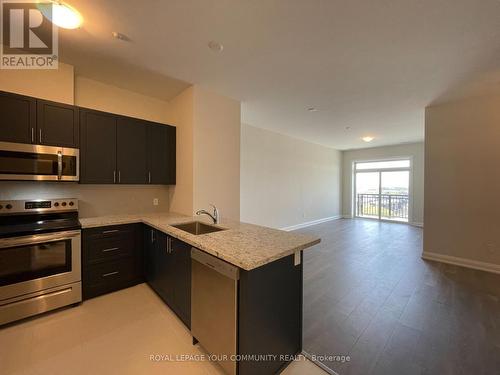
{"x": 113, "y": 334}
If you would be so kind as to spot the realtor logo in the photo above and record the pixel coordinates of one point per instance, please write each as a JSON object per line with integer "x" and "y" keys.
{"x": 29, "y": 38}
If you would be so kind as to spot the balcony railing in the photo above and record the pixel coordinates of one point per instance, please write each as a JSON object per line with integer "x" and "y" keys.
{"x": 384, "y": 206}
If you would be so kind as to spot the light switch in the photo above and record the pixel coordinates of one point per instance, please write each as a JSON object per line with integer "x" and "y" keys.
{"x": 156, "y": 201}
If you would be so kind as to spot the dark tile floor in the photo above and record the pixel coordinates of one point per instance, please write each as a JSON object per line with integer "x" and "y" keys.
{"x": 369, "y": 295}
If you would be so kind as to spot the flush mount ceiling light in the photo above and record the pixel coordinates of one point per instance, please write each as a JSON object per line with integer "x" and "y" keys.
{"x": 367, "y": 139}
{"x": 120, "y": 36}
{"x": 312, "y": 109}
{"x": 215, "y": 46}
{"x": 63, "y": 15}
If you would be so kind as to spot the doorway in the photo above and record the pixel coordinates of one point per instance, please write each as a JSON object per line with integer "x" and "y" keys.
{"x": 382, "y": 189}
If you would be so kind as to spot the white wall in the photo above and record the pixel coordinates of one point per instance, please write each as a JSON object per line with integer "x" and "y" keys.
{"x": 286, "y": 181}
{"x": 414, "y": 150}
{"x": 216, "y": 147}
{"x": 462, "y": 182}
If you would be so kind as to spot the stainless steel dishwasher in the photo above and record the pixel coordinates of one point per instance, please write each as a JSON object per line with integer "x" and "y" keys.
{"x": 214, "y": 307}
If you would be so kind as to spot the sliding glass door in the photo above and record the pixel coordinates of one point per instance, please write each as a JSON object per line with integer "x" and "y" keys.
{"x": 382, "y": 189}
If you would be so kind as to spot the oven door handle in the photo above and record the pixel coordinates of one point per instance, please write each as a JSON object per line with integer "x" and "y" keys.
{"x": 37, "y": 238}
{"x": 59, "y": 165}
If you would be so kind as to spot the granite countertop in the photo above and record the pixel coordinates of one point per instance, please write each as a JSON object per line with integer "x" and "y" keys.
{"x": 247, "y": 246}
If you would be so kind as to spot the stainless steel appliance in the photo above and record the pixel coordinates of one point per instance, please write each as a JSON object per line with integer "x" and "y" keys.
{"x": 40, "y": 163}
{"x": 214, "y": 307}
{"x": 40, "y": 257}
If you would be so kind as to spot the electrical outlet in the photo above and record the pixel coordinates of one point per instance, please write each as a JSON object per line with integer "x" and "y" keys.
{"x": 491, "y": 247}
{"x": 156, "y": 201}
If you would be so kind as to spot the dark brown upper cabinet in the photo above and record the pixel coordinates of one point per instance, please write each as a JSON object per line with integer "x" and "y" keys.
{"x": 161, "y": 154}
{"x": 36, "y": 121}
{"x": 98, "y": 147}
{"x": 18, "y": 118}
{"x": 57, "y": 124}
{"x": 131, "y": 152}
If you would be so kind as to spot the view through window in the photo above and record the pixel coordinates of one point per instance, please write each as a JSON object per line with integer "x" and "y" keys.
{"x": 382, "y": 189}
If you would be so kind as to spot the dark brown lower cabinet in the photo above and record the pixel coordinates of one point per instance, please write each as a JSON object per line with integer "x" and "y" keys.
{"x": 270, "y": 315}
{"x": 111, "y": 258}
{"x": 168, "y": 271}
{"x": 269, "y": 298}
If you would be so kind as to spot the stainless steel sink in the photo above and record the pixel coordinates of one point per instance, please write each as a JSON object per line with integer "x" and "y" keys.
{"x": 197, "y": 227}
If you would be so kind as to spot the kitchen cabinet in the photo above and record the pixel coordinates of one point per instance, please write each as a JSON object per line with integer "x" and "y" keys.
{"x": 181, "y": 252}
{"x": 161, "y": 154}
{"x": 121, "y": 150}
{"x": 114, "y": 149}
{"x": 36, "y": 121}
{"x": 18, "y": 117}
{"x": 131, "y": 155}
{"x": 57, "y": 124}
{"x": 168, "y": 271}
{"x": 98, "y": 147}
{"x": 112, "y": 259}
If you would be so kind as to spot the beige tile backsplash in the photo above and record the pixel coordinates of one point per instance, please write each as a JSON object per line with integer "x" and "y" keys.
{"x": 94, "y": 200}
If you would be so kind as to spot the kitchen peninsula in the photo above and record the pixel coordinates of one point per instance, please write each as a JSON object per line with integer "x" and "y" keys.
{"x": 251, "y": 307}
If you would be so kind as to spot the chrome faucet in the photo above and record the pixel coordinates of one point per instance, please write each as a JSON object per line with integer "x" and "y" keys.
{"x": 214, "y": 216}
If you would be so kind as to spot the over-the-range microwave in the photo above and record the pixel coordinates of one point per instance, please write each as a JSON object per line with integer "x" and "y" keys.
{"x": 38, "y": 163}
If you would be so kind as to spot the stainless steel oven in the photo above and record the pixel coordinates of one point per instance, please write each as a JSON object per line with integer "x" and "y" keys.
{"x": 40, "y": 163}
{"x": 40, "y": 257}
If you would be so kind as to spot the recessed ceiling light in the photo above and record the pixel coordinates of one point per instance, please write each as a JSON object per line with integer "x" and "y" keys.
{"x": 62, "y": 15}
{"x": 215, "y": 46}
{"x": 312, "y": 109}
{"x": 367, "y": 139}
{"x": 120, "y": 36}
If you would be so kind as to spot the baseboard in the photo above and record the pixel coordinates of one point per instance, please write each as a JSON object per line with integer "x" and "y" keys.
{"x": 319, "y": 364}
{"x": 310, "y": 223}
{"x": 417, "y": 224}
{"x": 469, "y": 263}
{"x": 347, "y": 216}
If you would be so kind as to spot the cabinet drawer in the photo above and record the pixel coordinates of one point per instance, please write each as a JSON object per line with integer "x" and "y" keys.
{"x": 118, "y": 246}
{"x": 111, "y": 231}
{"x": 106, "y": 243}
{"x": 109, "y": 276}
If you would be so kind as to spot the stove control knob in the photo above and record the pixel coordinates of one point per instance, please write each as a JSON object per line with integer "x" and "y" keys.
{"x": 71, "y": 204}
{"x": 56, "y": 204}
{"x": 9, "y": 206}
{"x": 63, "y": 204}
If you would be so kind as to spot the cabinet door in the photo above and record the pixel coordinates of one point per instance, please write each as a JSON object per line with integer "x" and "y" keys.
{"x": 98, "y": 149}
{"x": 162, "y": 154}
{"x": 131, "y": 151}
{"x": 165, "y": 269}
{"x": 150, "y": 257}
{"x": 182, "y": 280}
{"x": 18, "y": 118}
{"x": 57, "y": 124}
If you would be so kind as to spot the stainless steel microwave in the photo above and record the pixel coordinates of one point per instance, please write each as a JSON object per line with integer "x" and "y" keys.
{"x": 38, "y": 163}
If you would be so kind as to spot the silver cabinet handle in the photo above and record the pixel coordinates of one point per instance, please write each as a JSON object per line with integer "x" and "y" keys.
{"x": 114, "y": 177}
{"x": 149, "y": 177}
{"x": 111, "y": 249}
{"x": 152, "y": 236}
{"x": 40, "y": 135}
{"x": 32, "y": 135}
{"x": 110, "y": 231}
{"x": 110, "y": 274}
{"x": 119, "y": 177}
{"x": 59, "y": 165}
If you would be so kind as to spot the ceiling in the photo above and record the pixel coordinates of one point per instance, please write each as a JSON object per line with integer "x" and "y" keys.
{"x": 369, "y": 67}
